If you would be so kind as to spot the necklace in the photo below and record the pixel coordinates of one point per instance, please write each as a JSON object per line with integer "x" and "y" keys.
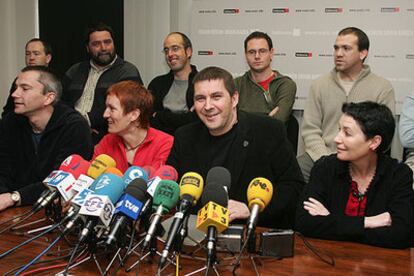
{"x": 135, "y": 147}
{"x": 370, "y": 177}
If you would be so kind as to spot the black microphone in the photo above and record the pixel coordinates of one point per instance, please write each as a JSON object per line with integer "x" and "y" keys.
{"x": 191, "y": 187}
{"x": 128, "y": 208}
{"x": 214, "y": 216}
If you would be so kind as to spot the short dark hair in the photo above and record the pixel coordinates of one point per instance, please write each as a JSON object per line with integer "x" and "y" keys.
{"x": 363, "y": 41}
{"x": 186, "y": 41}
{"x": 46, "y": 45}
{"x": 216, "y": 73}
{"x": 133, "y": 95}
{"x": 373, "y": 119}
{"x": 48, "y": 79}
{"x": 256, "y": 35}
{"x": 99, "y": 27}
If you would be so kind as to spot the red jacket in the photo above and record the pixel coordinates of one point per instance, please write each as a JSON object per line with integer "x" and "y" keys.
{"x": 152, "y": 152}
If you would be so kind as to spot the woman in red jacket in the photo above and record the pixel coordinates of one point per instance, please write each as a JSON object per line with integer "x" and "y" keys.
{"x": 131, "y": 141}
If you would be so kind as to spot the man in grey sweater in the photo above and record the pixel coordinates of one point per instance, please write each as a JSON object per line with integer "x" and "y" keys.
{"x": 349, "y": 81}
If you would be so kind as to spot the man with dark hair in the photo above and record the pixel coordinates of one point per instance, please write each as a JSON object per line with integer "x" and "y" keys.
{"x": 85, "y": 83}
{"x": 349, "y": 81}
{"x": 38, "y": 52}
{"x": 173, "y": 92}
{"x": 263, "y": 90}
{"x": 37, "y": 136}
{"x": 248, "y": 145}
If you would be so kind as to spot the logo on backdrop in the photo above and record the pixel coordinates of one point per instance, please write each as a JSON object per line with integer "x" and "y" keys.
{"x": 303, "y": 54}
{"x": 280, "y": 10}
{"x": 390, "y": 9}
{"x": 205, "y": 53}
{"x": 231, "y": 11}
{"x": 334, "y": 10}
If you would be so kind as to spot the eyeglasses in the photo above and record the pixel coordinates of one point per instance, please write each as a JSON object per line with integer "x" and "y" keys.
{"x": 261, "y": 51}
{"x": 173, "y": 49}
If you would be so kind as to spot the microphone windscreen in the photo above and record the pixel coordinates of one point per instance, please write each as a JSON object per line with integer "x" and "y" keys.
{"x": 167, "y": 172}
{"x": 100, "y": 164}
{"x": 260, "y": 192}
{"x": 166, "y": 194}
{"x": 80, "y": 168}
{"x": 109, "y": 185}
{"x": 72, "y": 162}
{"x": 191, "y": 184}
{"x": 219, "y": 175}
{"x": 215, "y": 193}
{"x": 114, "y": 171}
{"x": 150, "y": 171}
{"x": 134, "y": 172}
{"x": 138, "y": 189}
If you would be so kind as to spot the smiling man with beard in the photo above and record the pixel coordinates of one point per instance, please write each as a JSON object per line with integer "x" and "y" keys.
{"x": 350, "y": 81}
{"x": 173, "y": 92}
{"x": 85, "y": 83}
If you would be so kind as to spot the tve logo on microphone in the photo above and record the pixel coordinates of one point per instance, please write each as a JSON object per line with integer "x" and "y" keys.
{"x": 129, "y": 206}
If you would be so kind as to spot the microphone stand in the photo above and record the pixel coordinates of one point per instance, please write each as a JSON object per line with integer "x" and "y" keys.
{"x": 91, "y": 248}
{"x": 121, "y": 244}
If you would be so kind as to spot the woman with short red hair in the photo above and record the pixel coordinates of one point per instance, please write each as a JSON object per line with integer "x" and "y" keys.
{"x": 131, "y": 141}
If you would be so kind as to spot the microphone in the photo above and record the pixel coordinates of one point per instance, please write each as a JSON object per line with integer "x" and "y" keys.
{"x": 191, "y": 187}
{"x": 97, "y": 167}
{"x": 150, "y": 170}
{"x": 128, "y": 208}
{"x": 165, "y": 197}
{"x": 219, "y": 176}
{"x": 134, "y": 172}
{"x": 213, "y": 218}
{"x": 165, "y": 172}
{"x": 114, "y": 171}
{"x": 61, "y": 181}
{"x": 100, "y": 164}
{"x": 64, "y": 180}
{"x": 99, "y": 206}
{"x": 259, "y": 194}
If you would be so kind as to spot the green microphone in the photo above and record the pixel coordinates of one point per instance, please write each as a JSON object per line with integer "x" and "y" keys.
{"x": 165, "y": 197}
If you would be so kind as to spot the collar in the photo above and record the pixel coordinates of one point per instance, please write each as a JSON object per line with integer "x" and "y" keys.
{"x": 364, "y": 72}
{"x": 103, "y": 69}
{"x": 382, "y": 164}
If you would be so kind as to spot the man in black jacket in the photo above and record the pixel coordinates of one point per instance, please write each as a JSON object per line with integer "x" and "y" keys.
{"x": 248, "y": 145}
{"x": 173, "y": 92}
{"x": 37, "y": 52}
{"x": 37, "y": 136}
{"x": 85, "y": 83}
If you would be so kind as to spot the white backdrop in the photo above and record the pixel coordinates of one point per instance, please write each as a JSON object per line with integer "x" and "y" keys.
{"x": 303, "y": 34}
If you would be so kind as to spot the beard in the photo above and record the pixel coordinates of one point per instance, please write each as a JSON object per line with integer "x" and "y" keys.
{"x": 103, "y": 59}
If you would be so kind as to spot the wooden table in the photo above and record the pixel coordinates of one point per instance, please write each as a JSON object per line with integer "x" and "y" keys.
{"x": 350, "y": 259}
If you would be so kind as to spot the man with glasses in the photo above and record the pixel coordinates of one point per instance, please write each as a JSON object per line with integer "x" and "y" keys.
{"x": 174, "y": 91}
{"x": 263, "y": 90}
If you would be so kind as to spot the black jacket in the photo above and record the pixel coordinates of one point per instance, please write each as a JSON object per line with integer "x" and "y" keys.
{"x": 22, "y": 168}
{"x": 165, "y": 119}
{"x": 390, "y": 191}
{"x": 74, "y": 83}
{"x": 260, "y": 149}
